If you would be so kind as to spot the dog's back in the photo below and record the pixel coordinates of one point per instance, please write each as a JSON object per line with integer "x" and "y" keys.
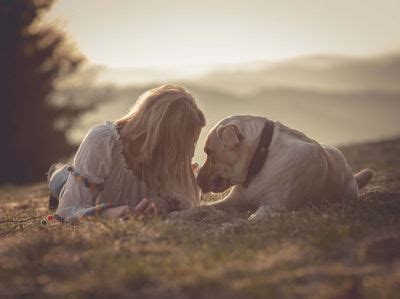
{"x": 300, "y": 171}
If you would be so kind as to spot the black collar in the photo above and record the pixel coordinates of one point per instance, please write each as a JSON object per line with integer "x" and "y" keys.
{"x": 261, "y": 152}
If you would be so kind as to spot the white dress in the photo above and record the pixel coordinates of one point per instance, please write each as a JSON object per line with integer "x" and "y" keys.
{"x": 99, "y": 177}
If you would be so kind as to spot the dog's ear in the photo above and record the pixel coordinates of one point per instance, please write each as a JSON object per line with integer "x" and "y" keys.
{"x": 230, "y": 135}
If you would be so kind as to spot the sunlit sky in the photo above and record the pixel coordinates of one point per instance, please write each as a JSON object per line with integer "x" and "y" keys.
{"x": 178, "y": 33}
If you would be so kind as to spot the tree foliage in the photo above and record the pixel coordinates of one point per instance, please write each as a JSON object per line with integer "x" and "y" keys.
{"x": 33, "y": 57}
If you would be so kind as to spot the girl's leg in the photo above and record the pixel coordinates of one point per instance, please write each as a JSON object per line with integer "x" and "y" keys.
{"x": 56, "y": 178}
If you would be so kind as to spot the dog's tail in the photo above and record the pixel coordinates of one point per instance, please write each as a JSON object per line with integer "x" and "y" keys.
{"x": 363, "y": 177}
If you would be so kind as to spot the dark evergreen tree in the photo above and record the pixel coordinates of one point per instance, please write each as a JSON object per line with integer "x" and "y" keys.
{"x": 33, "y": 57}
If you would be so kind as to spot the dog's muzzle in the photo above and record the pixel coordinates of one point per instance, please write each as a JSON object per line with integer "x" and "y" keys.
{"x": 214, "y": 184}
{"x": 219, "y": 184}
{"x": 202, "y": 181}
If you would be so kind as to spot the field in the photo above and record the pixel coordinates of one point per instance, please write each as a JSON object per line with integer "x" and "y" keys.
{"x": 339, "y": 251}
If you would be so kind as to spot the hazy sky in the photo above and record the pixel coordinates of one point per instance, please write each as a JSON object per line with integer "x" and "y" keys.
{"x": 150, "y": 33}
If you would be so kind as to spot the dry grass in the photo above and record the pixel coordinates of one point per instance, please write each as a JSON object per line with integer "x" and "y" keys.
{"x": 339, "y": 251}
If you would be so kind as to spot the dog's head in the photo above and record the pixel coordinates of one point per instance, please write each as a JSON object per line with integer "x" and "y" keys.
{"x": 227, "y": 159}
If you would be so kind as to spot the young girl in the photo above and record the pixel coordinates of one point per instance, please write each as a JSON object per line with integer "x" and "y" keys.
{"x": 137, "y": 165}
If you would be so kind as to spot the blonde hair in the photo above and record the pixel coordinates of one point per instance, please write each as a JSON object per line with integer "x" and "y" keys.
{"x": 159, "y": 136}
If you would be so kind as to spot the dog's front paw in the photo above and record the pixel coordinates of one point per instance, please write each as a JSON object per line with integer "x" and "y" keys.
{"x": 264, "y": 213}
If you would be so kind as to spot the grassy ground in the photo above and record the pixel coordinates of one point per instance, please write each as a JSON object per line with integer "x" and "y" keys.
{"x": 339, "y": 251}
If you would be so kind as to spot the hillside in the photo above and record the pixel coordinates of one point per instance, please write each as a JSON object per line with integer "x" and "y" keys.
{"x": 349, "y": 250}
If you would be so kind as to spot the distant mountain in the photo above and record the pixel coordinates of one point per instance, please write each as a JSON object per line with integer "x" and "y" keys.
{"x": 322, "y": 72}
{"x": 333, "y": 117}
{"x": 334, "y": 99}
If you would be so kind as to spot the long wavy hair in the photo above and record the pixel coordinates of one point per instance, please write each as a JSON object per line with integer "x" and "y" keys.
{"x": 159, "y": 136}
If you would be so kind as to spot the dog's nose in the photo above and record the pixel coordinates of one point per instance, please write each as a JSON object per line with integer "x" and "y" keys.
{"x": 215, "y": 182}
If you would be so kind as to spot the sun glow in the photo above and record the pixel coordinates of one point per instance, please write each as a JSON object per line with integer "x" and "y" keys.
{"x": 193, "y": 34}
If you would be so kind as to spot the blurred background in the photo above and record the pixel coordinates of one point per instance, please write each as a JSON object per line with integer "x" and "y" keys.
{"x": 328, "y": 68}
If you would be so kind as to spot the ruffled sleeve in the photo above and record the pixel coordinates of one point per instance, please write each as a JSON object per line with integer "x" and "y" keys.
{"x": 91, "y": 167}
